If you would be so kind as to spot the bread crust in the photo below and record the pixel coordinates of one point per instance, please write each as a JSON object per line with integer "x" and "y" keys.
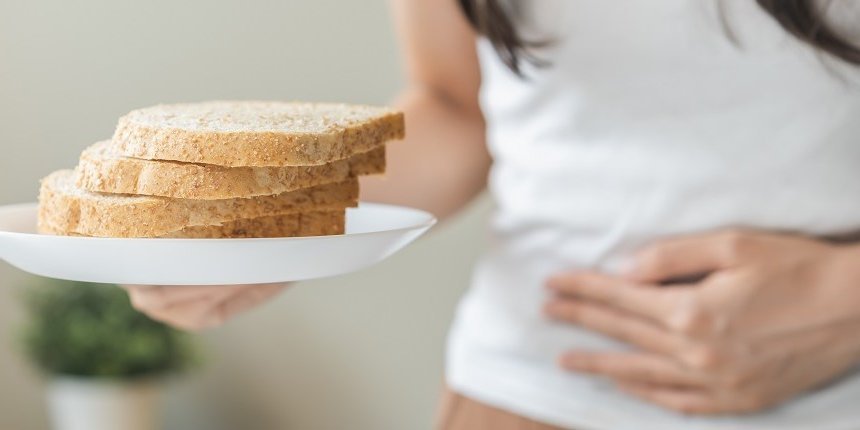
{"x": 102, "y": 169}
{"x": 316, "y": 223}
{"x": 65, "y": 208}
{"x": 256, "y": 134}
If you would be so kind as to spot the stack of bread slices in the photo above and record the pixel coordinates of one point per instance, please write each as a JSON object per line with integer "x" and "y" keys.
{"x": 222, "y": 170}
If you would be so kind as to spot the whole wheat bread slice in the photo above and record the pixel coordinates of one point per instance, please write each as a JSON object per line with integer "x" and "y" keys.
{"x": 256, "y": 133}
{"x": 317, "y": 223}
{"x": 65, "y": 208}
{"x": 102, "y": 169}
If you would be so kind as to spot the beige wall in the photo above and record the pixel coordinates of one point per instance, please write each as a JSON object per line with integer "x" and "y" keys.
{"x": 362, "y": 351}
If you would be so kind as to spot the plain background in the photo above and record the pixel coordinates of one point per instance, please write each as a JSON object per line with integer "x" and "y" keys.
{"x": 363, "y": 351}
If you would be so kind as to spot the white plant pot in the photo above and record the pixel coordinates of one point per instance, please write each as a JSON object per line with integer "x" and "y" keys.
{"x": 94, "y": 404}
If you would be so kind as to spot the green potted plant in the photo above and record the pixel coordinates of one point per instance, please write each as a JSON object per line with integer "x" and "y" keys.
{"x": 106, "y": 361}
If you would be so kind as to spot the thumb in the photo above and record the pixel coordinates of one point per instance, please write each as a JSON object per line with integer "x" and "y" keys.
{"x": 683, "y": 260}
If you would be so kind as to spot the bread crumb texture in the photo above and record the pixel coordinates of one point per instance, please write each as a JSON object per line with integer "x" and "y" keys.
{"x": 66, "y": 208}
{"x": 101, "y": 169}
{"x": 256, "y": 133}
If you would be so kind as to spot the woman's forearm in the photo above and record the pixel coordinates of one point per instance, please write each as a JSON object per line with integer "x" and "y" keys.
{"x": 442, "y": 165}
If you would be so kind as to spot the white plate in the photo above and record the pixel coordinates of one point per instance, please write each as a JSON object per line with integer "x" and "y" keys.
{"x": 373, "y": 233}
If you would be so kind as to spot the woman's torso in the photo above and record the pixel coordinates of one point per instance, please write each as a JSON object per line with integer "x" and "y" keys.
{"x": 650, "y": 122}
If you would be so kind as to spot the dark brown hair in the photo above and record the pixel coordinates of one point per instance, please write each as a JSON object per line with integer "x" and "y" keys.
{"x": 801, "y": 18}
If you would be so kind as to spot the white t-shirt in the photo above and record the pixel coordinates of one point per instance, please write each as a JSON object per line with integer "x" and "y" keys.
{"x": 649, "y": 123}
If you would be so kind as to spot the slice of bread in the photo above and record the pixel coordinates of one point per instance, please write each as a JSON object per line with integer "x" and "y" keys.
{"x": 65, "y": 208}
{"x": 317, "y": 223}
{"x": 102, "y": 169}
{"x": 256, "y": 133}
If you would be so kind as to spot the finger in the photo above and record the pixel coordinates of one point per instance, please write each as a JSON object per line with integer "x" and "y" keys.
{"x": 688, "y": 401}
{"x": 191, "y": 315}
{"x": 647, "y": 301}
{"x": 616, "y": 324}
{"x": 160, "y": 296}
{"x": 633, "y": 368}
{"x": 242, "y": 301}
{"x": 210, "y": 309}
{"x": 689, "y": 256}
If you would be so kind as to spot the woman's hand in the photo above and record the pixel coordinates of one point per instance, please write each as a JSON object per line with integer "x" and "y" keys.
{"x": 197, "y": 308}
{"x": 773, "y": 316}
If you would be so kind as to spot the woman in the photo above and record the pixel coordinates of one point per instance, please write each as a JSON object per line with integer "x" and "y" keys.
{"x": 676, "y": 184}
